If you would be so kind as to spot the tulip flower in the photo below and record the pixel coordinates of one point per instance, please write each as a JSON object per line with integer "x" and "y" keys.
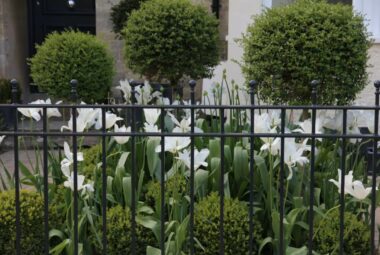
{"x": 2, "y": 138}
{"x": 122, "y": 129}
{"x": 69, "y": 159}
{"x": 80, "y": 181}
{"x": 184, "y": 126}
{"x": 354, "y": 188}
{"x": 174, "y": 144}
{"x": 125, "y": 87}
{"x": 151, "y": 115}
{"x": 32, "y": 112}
{"x": 199, "y": 158}
{"x": 111, "y": 119}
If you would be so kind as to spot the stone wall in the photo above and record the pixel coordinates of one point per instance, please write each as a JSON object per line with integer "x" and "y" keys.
{"x": 367, "y": 96}
{"x": 13, "y": 41}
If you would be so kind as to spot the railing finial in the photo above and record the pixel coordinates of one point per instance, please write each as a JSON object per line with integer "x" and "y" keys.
{"x": 14, "y": 91}
{"x": 314, "y": 85}
{"x": 74, "y": 90}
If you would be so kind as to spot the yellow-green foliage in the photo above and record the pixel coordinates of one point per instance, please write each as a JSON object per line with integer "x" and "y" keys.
{"x": 92, "y": 157}
{"x": 167, "y": 39}
{"x": 119, "y": 236}
{"x": 236, "y": 226}
{"x": 73, "y": 55}
{"x": 304, "y": 41}
{"x": 175, "y": 186}
{"x": 32, "y": 223}
{"x": 356, "y": 235}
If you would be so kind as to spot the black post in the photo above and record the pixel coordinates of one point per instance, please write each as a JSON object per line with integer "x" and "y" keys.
{"x": 192, "y": 85}
{"x": 74, "y": 96}
{"x": 133, "y": 172}
{"x": 104, "y": 182}
{"x": 17, "y": 173}
{"x": 252, "y": 86}
{"x": 314, "y": 85}
{"x": 74, "y": 91}
{"x": 374, "y": 166}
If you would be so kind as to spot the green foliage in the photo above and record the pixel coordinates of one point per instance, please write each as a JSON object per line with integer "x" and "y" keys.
{"x": 175, "y": 185}
{"x": 236, "y": 226}
{"x": 287, "y": 47}
{"x": 31, "y": 219}
{"x": 93, "y": 157}
{"x": 167, "y": 39}
{"x": 119, "y": 236}
{"x": 121, "y": 12}
{"x": 356, "y": 235}
{"x": 73, "y": 55}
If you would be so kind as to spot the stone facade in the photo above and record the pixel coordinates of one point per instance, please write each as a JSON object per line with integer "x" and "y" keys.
{"x": 13, "y": 41}
{"x": 367, "y": 96}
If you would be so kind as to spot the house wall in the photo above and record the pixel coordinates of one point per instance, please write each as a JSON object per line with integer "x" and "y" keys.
{"x": 13, "y": 41}
{"x": 367, "y": 95}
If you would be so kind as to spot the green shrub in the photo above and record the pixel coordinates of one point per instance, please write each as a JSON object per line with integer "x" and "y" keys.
{"x": 73, "y": 55}
{"x": 92, "y": 159}
{"x": 167, "y": 39}
{"x": 356, "y": 235}
{"x": 175, "y": 186}
{"x": 31, "y": 219}
{"x": 287, "y": 47}
{"x": 119, "y": 229}
{"x": 236, "y": 226}
{"x": 121, "y": 12}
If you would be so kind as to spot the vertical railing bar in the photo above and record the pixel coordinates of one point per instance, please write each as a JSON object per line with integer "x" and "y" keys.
{"x": 14, "y": 88}
{"x": 252, "y": 85}
{"x": 282, "y": 177}
{"x": 221, "y": 220}
{"x": 46, "y": 187}
{"x": 162, "y": 183}
{"x": 133, "y": 173}
{"x": 374, "y": 169}
{"x": 314, "y": 85}
{"x": 192, "y": 84}
{"x": 74, "y": 94}
{"x": 104, "y": 183}
{"x": 342, "y": 185}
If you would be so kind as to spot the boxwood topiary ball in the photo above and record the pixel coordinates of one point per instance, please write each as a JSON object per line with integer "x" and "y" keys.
{"x": 236, "y": 226}
{"x": 119, "y": 236}
{"x": 31, "y": 219}
{"x": 287, "y": 47}
{"x": 356, "y": 235}
{"x": 73, "y": 55}
{"x": 167, "y": 39}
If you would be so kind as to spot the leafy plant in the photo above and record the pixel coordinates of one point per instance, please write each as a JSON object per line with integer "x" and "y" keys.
{"x": 167, "y": 39}
{"x": 31, "y": 222}
{"x": 236, "y": 226}
{"x": 121, "y": 12}
{"x": 119, "y": 229}
{"x": 287, "y": 47}
{"x": 73, "y": 55}
{"x": 356, "y": 234}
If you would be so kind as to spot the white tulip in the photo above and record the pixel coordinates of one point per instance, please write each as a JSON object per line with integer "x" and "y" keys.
{"x": 174, "y": 144}
{"x": 122, "y": 129}
{"x": 111, "y": 119}
{"x": 126, "y": 88}
{"x": 69, "y": 159}
{"x": 151, "y": 115}
{"x": 354, "y": 188}
{"x": 199, "y": 158}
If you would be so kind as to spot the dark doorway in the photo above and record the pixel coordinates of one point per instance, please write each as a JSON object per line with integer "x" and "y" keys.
{"x": 46, "y": 16}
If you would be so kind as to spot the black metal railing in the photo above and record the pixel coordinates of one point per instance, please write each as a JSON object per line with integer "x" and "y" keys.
{"x": 135, "y": 133}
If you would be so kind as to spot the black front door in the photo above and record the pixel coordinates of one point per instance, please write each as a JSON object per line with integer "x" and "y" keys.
{"x": 46, "y": 16}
